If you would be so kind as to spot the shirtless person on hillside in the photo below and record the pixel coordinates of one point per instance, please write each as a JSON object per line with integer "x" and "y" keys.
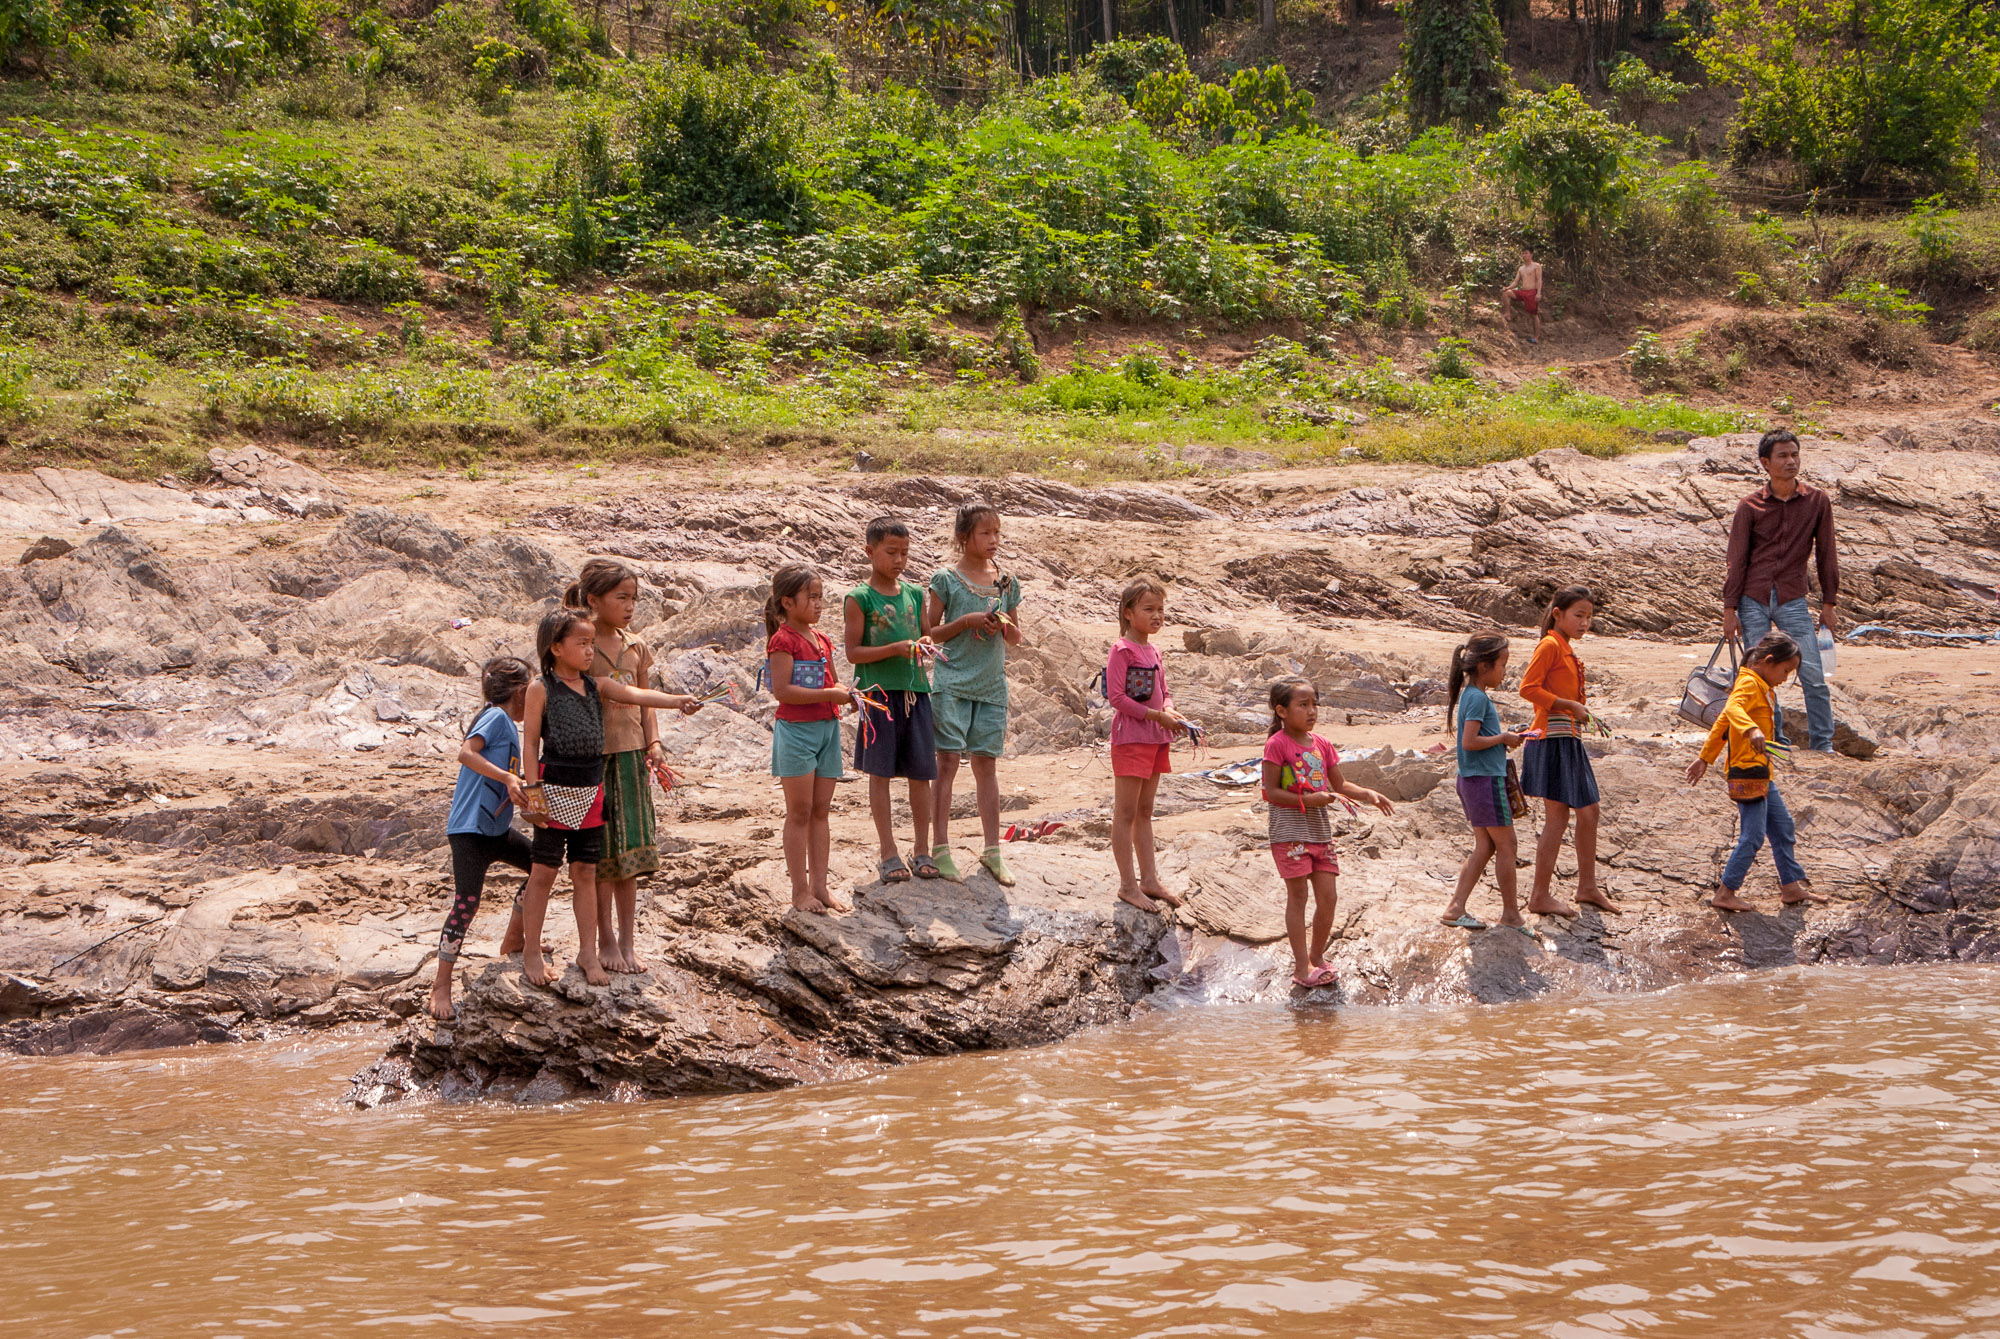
{"x": 1526, "y": 290}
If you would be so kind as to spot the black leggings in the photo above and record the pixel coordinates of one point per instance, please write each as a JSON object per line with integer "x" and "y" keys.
{"x": 472, "y": 854}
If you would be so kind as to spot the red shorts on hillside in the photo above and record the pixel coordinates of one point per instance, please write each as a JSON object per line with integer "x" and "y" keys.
{"x": 1140, "y": 759}
{"x": 1530, "y": 300}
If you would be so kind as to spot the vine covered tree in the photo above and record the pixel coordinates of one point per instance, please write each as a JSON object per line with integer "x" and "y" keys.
{"x": 1453, "y": 62}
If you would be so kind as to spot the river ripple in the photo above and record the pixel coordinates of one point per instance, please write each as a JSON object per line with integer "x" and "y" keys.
{"x": 1805, "y": 1153}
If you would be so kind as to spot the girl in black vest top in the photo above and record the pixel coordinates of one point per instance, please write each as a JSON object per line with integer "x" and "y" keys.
{"x": 562, "y": 752}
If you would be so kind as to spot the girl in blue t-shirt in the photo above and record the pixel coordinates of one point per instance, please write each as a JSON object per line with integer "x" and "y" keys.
{"x": 1477, "y": 668}
{"x": 480, "y": 828}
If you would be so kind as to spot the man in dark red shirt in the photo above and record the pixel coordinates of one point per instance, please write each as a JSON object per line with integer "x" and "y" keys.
{"x": 1775, "y": 531}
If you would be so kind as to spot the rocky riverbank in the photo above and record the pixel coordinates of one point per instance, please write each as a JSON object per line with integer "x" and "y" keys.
{"x": 229, "y": 712}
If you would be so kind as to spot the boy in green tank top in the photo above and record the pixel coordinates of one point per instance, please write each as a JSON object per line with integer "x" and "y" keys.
{"x": 887, "y": 639}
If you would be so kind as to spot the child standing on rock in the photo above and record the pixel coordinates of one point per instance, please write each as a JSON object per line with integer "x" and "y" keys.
{"x": 562, "y": 752}
{"x": 1477, "y": 668}
{"x": 1142, "y": 732}
{"x": 971, "y": 611}
{"x": 1554, "y": 766}
{"x": 887, "y": 639}
{"x": 1747, "y": 726}
{"x": 1301, "y": 780}
{"x": 608, "y": 591}
{"x": 480, "y": 827}
{"x": 805, "y": 738}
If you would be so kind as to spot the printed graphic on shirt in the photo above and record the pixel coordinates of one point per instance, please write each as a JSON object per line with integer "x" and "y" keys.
{"x": 1139, "y": 682}
{"x": 1315, "y": 773}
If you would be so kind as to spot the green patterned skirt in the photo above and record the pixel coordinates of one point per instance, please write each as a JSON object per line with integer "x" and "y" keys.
{"x": 629, "y": 849}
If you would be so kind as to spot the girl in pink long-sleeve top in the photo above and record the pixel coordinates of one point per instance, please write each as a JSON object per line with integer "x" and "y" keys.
{"x": 1142, "y": 728}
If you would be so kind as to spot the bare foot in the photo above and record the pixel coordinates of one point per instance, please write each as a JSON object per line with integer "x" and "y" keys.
{"x": 1724, "y": 900}
{"x": 1794, "y": 893}
{"x": 1162, "y": 895}
{"x": 1549, "y": 906}
{"x": 512, "y": 941}
{"x": 1133, "y": 897}
{"x": 537, "y": 972}
{"x": 441, "y": 999}
{"x": 837, "y": 908}
{"x": 1596, "y": 898}
{"x": 807, "y": 902}
{"x": 634, "y": 965}
{"x": 593, "y": 972}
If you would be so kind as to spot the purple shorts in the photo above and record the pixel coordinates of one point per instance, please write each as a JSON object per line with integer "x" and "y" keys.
{"x": 1484, "y": 799}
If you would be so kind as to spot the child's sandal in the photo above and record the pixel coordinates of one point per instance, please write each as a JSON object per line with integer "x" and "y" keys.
{"x": 893, "y": 870}
{"x": 947, "y": 868}
{"x": 927, "y": 868}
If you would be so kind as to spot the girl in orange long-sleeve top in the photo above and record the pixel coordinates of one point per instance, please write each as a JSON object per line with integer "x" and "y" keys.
{"x": 1554, "y": 767}
{"x": 1748, "y": 727}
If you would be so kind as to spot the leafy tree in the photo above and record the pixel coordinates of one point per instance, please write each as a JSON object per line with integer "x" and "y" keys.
{"x": 1453, "y": 62}
{"x": 1568, "y": 159}
{"x": 1865, "y": 95}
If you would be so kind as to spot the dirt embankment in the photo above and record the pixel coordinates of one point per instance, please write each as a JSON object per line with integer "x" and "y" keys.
{"x": 228, "y": 716}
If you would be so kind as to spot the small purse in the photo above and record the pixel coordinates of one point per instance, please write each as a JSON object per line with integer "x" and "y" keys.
{"x": 1749, "y": 783}
{"x": 1517, "y": 799}
{"x": 1708, "y": 688}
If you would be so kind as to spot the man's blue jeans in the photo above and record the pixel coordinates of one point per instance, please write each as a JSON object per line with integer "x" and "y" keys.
{"x": 1756, "y": 820}
{"x": 1795, "y": 619}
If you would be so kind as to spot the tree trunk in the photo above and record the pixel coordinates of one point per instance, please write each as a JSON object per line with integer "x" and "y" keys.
{"x": 1173, "y": 23}
{"x": 1229, "y": 10}
{"x": 1268, "y": 16}
{"x": 1110, "y": 22}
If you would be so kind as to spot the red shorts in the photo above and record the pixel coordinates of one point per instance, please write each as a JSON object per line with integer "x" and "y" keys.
{"x": 1140, "y": 760}
{"x": 1531, "y": 301}
{"x": 1298, "y": 860}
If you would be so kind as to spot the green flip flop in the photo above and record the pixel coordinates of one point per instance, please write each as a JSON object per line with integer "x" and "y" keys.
{"x": 996, "y": 865}
{"x": 947, "y": 868}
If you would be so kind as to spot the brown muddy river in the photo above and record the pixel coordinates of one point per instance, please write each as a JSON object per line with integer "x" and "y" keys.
{"x": 1808, "y": 1153}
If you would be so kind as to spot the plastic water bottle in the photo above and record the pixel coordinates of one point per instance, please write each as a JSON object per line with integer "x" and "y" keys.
{"x": 1826, "y": 653}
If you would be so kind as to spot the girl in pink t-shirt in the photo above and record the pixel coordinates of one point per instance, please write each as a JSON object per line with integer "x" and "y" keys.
{"x": 1301, "y": 780}
{"x": 1142, "y": 728}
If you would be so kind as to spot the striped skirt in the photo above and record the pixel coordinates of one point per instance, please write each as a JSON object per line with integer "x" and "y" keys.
{"x": 629, "y": 848}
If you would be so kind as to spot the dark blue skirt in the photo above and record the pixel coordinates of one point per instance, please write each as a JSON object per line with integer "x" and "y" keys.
{"x": 1558, "y": 769}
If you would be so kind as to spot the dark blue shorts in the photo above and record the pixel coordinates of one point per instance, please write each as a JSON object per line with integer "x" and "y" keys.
{"x": 905, "y": 742}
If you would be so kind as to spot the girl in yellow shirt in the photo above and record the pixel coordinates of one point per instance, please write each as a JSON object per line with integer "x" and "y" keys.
{"x": 1746, "y": 727}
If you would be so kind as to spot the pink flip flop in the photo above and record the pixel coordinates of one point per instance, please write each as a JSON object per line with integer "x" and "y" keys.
{"x": 1317, "y": 977}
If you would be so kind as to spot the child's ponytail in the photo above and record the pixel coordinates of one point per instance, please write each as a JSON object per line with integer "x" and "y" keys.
{"x": 1467, "y": 660}
{"x": 785, "y": 585}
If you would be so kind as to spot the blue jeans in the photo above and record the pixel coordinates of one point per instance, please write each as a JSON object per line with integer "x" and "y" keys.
{"x": 1794, "y": 619}
{"x": 1756, "y": 819}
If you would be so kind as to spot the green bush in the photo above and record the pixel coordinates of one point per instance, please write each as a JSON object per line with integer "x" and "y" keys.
{"x": 1878, "y": 299}
{"x": 235, "y": 40}
{"x": 706, "y": 144}
{"x": 1257, "y": 105}
{"x": 1454, "y": 63}
{"x": 1865, "y": 95}
{"x": 1568, "y": 159}
{"x": 1452, "y": 360}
